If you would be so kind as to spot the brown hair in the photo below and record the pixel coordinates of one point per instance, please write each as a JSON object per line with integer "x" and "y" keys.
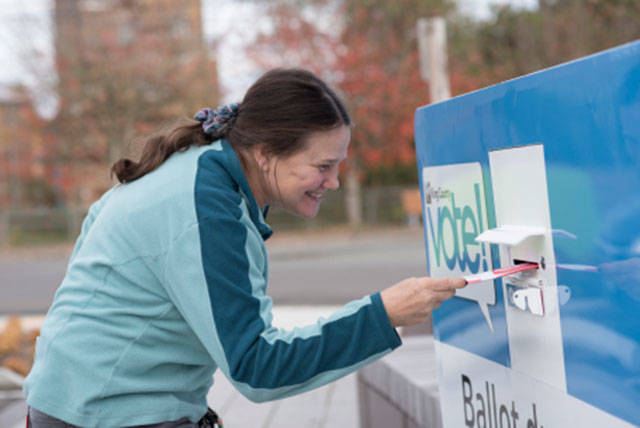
{"x": 280, "y": 110}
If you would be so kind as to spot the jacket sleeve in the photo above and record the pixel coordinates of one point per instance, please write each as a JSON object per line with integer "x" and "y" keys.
{"x": 219, "y": 267}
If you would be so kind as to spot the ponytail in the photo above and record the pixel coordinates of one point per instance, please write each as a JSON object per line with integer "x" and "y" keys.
{"x": 157, "y": 149}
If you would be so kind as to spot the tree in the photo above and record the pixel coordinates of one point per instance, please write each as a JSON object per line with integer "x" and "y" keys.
{"x": 124, "y": 71}
{"x": 516, "y": 42}
{"x": 23, "y": 150}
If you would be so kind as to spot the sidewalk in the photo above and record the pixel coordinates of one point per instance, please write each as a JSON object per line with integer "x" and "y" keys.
{"x": 333, "y": 405}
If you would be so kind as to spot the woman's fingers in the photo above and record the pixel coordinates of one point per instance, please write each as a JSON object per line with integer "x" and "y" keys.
{"x": 441, "y": 296}
{"x": 447, "y": 294}
{"x": 443, "y": 284}
{"x": 445, "y": 288}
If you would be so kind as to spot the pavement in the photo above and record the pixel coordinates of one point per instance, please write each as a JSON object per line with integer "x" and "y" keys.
{"x": 312, "y": 273}
{"x": 333, "y": 405}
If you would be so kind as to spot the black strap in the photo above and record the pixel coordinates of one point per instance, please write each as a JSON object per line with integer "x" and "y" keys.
{"x": 210, "y": 420}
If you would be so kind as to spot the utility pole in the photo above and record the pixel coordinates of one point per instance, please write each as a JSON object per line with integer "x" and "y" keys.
{"x": 4, "y": 184}
{"x": 432, "y": 47}
{"x": 353, "y": 193}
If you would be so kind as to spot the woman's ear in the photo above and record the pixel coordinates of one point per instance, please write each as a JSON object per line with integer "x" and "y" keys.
{"x": 262, "y": 157}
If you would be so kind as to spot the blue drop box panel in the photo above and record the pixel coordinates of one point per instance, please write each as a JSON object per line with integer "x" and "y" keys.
{"x": 586, "y": 115}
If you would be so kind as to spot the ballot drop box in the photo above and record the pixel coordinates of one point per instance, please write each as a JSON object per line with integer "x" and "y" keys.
{"x": 541, "y": 169}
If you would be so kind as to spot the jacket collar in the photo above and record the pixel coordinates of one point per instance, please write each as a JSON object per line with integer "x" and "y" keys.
{"x": 237, "y": 174}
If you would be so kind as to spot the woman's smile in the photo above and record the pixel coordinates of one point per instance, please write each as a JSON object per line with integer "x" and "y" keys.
{"x": 315, "y": 195}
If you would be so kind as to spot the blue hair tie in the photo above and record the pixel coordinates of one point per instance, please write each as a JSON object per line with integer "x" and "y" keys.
{"x": 213, "y": 120}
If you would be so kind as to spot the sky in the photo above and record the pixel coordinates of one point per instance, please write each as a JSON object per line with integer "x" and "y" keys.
{"x": 20, "y": 21}
{"x": 28, "y": 23}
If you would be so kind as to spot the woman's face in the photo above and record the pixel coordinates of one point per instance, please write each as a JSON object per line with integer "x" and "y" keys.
{"x": 297, "y": 183}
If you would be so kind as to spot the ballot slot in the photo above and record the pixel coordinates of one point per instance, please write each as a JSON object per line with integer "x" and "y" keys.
{"x": 525, "y": 291}
{"x": 521, "y": 244}
{"x": 541, "y": 263}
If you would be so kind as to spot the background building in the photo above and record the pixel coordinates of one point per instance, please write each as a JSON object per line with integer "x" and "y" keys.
{"x": 125, "y": 68}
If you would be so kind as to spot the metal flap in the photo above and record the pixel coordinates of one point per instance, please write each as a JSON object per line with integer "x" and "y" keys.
{"x": 509, "y": 234}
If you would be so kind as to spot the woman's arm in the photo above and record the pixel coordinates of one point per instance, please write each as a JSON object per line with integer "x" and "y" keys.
{"x": 216, "y": 275}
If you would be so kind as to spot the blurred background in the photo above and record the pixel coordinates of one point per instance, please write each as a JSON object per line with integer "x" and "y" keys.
{"x": 84, "y": 82}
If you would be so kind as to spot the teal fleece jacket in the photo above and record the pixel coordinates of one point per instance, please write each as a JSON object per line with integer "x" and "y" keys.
{"x": 167, "y": 283}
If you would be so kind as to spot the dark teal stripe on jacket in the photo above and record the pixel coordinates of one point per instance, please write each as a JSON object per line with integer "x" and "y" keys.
{"x": 251, "y": 358}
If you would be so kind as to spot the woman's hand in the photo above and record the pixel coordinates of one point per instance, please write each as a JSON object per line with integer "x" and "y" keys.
{"x": 412, "y": 300}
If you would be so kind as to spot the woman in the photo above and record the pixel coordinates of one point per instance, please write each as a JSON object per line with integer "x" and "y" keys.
{"x": 167, "y": 281}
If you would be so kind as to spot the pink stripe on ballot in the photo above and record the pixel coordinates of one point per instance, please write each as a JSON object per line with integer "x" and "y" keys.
{"x": 499, "y": 273}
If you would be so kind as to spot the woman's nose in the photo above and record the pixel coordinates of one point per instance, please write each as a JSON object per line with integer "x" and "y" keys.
{"x": 332, "y": 182}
